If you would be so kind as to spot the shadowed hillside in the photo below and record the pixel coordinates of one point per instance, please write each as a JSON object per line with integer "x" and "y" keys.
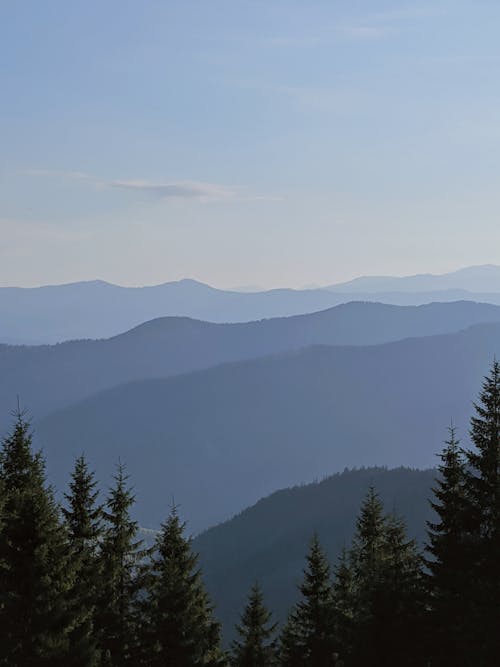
{"x": 268, "y": 541}
{"x": 50, "y": 377}
{"x": 222, "y": 438}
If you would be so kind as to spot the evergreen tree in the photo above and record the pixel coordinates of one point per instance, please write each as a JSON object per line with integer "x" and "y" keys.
{"x": 367, "y": 556}
{"x": 401, "y": 600}
{"x": 387, "y": 581}
{"x": 449, "y": 560}
{"x": 121, "y": 577}
{"x": 290, "y": 647}
{"x": 255, "y": 647}
{"x": 344, "y": 603}
{"x": 83, "y": 520}
{"x": 36, "y": 574}
{"x": 308, "y": 638}
{"x": 181, "y": 630}
{"x": 369, "y": 541}
{"x": 482, "y": 482}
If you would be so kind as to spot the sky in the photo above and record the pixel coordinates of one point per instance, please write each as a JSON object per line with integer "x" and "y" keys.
{"x": 247, "y": 143}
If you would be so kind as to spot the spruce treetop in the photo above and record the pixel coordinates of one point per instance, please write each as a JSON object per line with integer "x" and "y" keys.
{"x": 255, "y": 647}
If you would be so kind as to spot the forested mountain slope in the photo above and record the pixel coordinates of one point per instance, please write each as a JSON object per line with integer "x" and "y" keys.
{"x": 218, "y": 440}
{"x": 50, "y": 377}
{"x": 267, "y": 542}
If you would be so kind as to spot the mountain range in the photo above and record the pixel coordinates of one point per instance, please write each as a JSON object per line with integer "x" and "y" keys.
{"x": 97, "y": 309}
{"x": 216, "y": 414}
{"x": 217, "y": 440}
{"x": 485, "y": 278}
{"x": 47, "y": 378}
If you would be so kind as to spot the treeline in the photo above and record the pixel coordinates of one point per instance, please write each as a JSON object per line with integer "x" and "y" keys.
{"x": 79, "y": 587}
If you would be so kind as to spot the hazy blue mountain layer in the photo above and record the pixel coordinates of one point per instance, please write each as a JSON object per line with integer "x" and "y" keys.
{"x": 484, "y": 278}
{"x": 98, "y": 309}
{"x": 268, "y": 542}
{"x": 219, "y": 439}
{"x": 50, "y": 377}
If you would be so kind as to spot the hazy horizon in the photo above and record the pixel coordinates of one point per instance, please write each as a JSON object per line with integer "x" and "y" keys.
{"x": 259, "y": 288}
{"x": 270, "y": 144}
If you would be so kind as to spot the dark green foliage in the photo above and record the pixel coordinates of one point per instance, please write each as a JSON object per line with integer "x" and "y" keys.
{"x": 449, "y": 561}
{"x": 482, "y": 481}
{"x": 121, "y": 578}
{"x": 180, "y": 628}
{"x": 308, "y": 638}
{"x": 267, "y": 541}
{"x": 36, "y": 575}
{"x": 290, "y": 650}
{"x": 401, "y": 600}
{"x": 369, "y": 541}
{"x": 367, "y": 557}
{"x": 255, "y": 646}
{"x": 83, "y": 521}
{"x": 344, "y": 602}
{"x": 83, "y": 592}
{"x": 387, "y": 590}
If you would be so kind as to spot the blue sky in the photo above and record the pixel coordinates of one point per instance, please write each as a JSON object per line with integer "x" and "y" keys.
{"x": 263, "y": 142}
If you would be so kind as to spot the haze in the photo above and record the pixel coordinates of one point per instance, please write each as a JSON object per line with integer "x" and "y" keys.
{"x": 247, "y": 143}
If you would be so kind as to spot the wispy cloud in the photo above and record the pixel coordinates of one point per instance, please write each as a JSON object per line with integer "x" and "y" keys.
{"x": 294, "y": 41}
{"x": 329, "y": 99}
{"x": 375, "y": 25}
{"x": 365, "y": 32}
{"x": 181, "y": 189}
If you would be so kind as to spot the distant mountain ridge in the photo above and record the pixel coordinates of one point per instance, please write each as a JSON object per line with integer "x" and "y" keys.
{"x": 97, "y": 309}
{"x": 474, "y": 279}
{"x": 48, "y": 378}
{"x": 219, "y": 439}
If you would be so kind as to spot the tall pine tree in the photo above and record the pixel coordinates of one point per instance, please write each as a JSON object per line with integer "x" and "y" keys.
{"x": 344, "y": 603}
{"x": 367, "y": 557}
{"x": 255, "y": 646}
{"x": 449, "y": 559}
{"x": 83, "y": 520}
{"x": 387, "y": 595}
{"x": 482, "y": 482}
{"x": 121, "y": 577}
{"x": 180, "y": 629}
{"x": 401, "y": 600}
{"x": 36, "y": 574}
{"x": 308, "y": 639}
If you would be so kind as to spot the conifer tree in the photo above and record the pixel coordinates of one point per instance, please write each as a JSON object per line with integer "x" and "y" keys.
{"x": 121, "y": 577}
{"x": 401, "y": 601}
{"x": 387, "y": 580}
{"x": 290, "y": 648}
{"x": 482, "y": 481}
{"x": 83, "y": 520}
{"x": 484, "y": 460}
{"x": 255, "y": 646}
{"x": 308, "y": 638}
{"x": 180, "y": 629}
{"x": 449, "y": 560}
{"x": 367, "y": 556}
{"x": 369, "y": 541}
{"x": 36, "y": 574}
{"x": 344, "y": 602}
